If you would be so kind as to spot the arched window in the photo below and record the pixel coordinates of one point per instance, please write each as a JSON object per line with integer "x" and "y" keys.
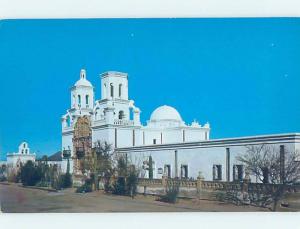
{"x": 111, "y": 90}
{"x": 120, "y": 90}
{"x": 121, "y": 114}
{"x": 68, "y": 121}
{"x": 73, "y": 102}
{"x": 79, "y": 100}
{"x": 87, "y": 100}
{"x": 104, "y": 91}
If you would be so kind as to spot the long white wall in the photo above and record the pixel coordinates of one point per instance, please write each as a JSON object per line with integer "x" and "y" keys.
{"x": 201, "y": 156}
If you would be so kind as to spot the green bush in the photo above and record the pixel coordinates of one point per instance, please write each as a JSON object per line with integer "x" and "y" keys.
{"x": 119, "y": 188}
{"x": 67, "y": 180}
{"x": 150, "y": 168}
{"x": 30, "y": 174}
{"x": 107, "y": 186}
{"x": 3, "y": 178}
{"x": 62, "y": 181}
{"x": 43, "y": 184}
{"x": 131, "y": 184}
{"x": 172, "y": 192}
{"x": 86, "y": 187}
{"x": 57, "y": 182}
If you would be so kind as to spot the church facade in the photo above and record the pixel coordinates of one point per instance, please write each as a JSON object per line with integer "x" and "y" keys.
{"x": 178, "y": 149}
{"x": 115, "y": 119}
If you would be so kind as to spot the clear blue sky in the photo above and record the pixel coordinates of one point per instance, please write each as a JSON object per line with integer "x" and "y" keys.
{"x": 241, "y": 75}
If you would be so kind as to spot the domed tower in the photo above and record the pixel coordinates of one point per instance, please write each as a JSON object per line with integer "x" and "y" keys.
{"x": 82, "y": 101}
{"x": 82, "y": 94}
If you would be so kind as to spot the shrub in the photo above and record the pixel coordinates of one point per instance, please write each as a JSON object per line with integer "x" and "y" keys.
{"x": 119, "y": 188}
{"x": 57, "y": 182}
{"x": 86, "y": 187}
{"x": 3, "y": 178}
{"x": 62, "y": 181}
{"x": 107, "y": 185}
{"x": 66, "y": 180}
{"x": 172, "y": 191}
{"x": 150, "y": 168}
{"x": 43, "y": 184}
{"x": 131, "y": 184}
{"x": 30, "y": 174}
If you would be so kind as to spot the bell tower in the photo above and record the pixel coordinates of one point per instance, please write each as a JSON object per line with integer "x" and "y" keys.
{"x": 114, "y": 85}
{"x": 114, "y": 91}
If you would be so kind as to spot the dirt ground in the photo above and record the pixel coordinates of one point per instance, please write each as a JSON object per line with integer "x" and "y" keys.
{"x": 14, "y": 198}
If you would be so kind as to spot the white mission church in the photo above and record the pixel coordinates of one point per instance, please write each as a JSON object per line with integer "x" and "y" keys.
{"x": 178, "y": 149}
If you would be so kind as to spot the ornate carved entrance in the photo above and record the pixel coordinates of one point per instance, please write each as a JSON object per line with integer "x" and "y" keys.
{"x": 82, "y": 143}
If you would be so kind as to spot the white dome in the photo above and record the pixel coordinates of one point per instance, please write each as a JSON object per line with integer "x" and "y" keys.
{"x": 165, "y": 113}
{"x": 83, "y": 81}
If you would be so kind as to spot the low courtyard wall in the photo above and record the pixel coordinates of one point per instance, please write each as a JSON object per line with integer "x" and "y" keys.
{"x": 201, "y": 189}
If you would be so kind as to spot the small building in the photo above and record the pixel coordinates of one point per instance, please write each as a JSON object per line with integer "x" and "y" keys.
{"x": 21, "y": 157}
{"x": 16, "y": 160}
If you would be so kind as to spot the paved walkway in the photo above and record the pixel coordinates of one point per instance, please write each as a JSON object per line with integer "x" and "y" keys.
{"x": 14, "y": 198}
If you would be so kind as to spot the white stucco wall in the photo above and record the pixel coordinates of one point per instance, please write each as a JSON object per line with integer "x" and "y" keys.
{"x": 14, "y": 158}
{"x": 201, "y": 156}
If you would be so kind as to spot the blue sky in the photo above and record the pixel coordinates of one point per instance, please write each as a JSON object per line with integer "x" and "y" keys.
{"x": 240, "y": 75}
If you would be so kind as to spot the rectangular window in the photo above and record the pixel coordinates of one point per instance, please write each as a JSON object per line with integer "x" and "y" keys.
{"x": 184, "y": 171}
{"x": 228, "y": 164}
{"x": 265, "y": 172}
{"x": 282, "y": 163}
{"x": 154, "y": 141}
{"x": 217, "y": 172}
{"x": 167, "y": 170}
{"x": 160, "y": 171}
{"x": 120, "y": 90}
{"x": 238, "y": 172}
{"x": 111, "y": 90}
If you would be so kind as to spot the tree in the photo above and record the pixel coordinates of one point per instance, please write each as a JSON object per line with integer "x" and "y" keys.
{"x": 30, "y": 174}
{"x": 3, "y": 173}
{"x": 150, "y": 168}
{"x": 126, "y": 183}
{"x": 54, "y": 177}
{"x": 132, "y": 181}
{"x": 67, "y": 180}
{"x": 99, "y": 162}
{"x": 44, "y": 169}
{"x": 122, "y": 166}
{"x": 3, "y": 169}
{"x": 277, "y": 169}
